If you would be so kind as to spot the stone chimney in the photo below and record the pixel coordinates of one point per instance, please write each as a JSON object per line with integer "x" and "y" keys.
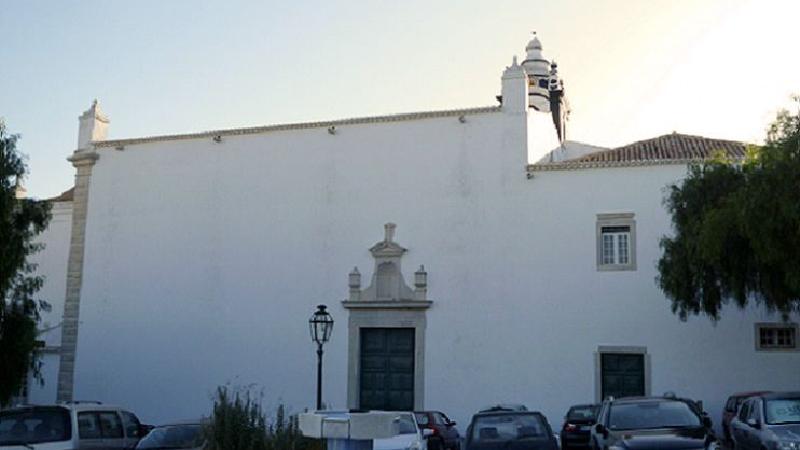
{"x": 93, "y": 126}
{"x": 515, "y": 89}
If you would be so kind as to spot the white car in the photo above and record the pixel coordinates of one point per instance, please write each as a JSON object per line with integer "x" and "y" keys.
{"x": 409, "y": 437}
{"x": 68, "y": 426}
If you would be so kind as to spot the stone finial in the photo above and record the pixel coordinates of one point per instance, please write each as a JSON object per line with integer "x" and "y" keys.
{"x": 421, "y": 277}
{"x": 354, "y": 282}
{"x": 420, "y": 283}
{"x": 354, "y": 279}
{"x": 389, "y": 230}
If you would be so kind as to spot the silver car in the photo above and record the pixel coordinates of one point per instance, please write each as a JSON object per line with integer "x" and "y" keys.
{"x": 177, "y": 436}
{"x": 408, "y": 437}
{"x": 768, "y": 421}
{"x": 68, "y": 426}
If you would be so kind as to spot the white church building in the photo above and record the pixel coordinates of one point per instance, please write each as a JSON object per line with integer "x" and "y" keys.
{"x": 465, "y": 263}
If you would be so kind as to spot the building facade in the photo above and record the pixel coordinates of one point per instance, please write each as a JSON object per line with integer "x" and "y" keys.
{"x": 458, "y": 273}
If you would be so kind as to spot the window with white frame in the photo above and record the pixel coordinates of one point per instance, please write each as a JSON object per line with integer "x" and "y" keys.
{"x": 776, "y": 336}
{"x": 616, "y": 242}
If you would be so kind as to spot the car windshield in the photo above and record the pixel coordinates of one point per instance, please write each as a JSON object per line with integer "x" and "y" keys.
{"x": 646, "y": 415}
{"x": 33, "y": 426}
{"x": 780, "y": 411}
{"x": 504, "y": 427}
{"x": 407, "y": 425}
{"x": 173, "y": 436}
{"x": 582, "y": 413}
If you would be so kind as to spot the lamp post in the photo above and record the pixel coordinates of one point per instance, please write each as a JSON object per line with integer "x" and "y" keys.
{"x": 320, "y": 325}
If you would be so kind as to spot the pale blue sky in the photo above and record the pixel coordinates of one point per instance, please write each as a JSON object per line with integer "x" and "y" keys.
{"x": 633, "y": 69}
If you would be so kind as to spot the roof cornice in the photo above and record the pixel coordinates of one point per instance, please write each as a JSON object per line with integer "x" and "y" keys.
{"x": 299, "y": 126}
{"x": 573, "y": 165}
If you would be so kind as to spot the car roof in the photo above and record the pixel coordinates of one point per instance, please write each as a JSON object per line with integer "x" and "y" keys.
{"x": 780, "y": 395}
{"x": 177, "y": 423}
{"x": 505, "y": 413}
{"x": 80, "y": 407}
{"x": 648, "y": 400}
{"x": 749, "y": 394}
{"x": 585, "y": 405}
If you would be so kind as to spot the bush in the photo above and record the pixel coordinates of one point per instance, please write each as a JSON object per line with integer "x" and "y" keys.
{"x": 238, "y": 422}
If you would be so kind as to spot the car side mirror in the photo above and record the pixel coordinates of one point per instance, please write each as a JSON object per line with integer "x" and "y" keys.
{"x": 753, "y": 423}
{"x": 601, "y": 429}
{"x": 707, "y": 422}
{"x": 451, "y": 424}
{"x": 427, "y": 432}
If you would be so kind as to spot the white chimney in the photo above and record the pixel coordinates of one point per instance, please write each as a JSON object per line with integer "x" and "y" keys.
{"x": 93, "y": 126}
{"x": 515, "y": 89}
{"x": 19, "y": 190}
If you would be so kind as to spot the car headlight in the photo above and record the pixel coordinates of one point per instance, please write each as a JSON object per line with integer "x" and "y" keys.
{"x": 787, "y": 445}
{"x": 414, "y": 446}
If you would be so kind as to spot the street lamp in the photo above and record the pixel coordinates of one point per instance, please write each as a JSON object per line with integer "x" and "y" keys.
{"x": 320, "y": 325}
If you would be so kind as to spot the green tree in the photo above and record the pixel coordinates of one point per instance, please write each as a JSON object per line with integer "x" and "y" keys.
{"x": 20, "y": 221}
{"x": 737, "y": 230}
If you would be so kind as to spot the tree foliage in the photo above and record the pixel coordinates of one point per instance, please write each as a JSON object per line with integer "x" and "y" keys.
{"x": 737, "y": 230}
{"x": 20, "y": 221}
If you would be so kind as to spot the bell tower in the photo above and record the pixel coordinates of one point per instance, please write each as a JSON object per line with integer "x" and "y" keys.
{"x": 545, "y": 88}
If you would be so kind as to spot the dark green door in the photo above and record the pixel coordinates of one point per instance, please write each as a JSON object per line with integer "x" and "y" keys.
{"x": 387, "y": 369}
{"x": 623, "y": 374}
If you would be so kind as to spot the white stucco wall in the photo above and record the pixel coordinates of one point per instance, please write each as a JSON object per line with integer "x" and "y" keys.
{"x": 204, "y": 261}
{"x": 52, "y": 261}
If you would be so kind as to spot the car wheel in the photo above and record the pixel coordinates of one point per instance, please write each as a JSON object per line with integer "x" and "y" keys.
{"x": 456, "y": 446}
{"x": 435, "y": 444}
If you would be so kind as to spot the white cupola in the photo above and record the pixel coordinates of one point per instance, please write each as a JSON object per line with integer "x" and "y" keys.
{"x": 534, "y": 63}
{"x": 538, "y": 70}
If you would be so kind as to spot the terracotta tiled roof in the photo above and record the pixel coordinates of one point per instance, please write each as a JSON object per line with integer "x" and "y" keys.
{"x": 667, "y": 149}
{"x": 65, "y": 196}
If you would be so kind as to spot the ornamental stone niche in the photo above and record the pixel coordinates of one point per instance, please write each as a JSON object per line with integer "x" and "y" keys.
{"x": 386, "y": 333}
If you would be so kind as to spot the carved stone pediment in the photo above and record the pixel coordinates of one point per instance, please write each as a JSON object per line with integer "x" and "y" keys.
{"x": 388, "y": 288}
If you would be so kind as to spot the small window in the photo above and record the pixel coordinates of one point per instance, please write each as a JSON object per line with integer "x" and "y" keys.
{"x": 616, "y": 242}
{"x": 777, "y": 336}
{"x": 110, "y": 425}
{"x": 752, "y": 410}
{"x": 131, "y": 423}
{"x": 743, "y": 411}
{"x": 88, "y": 426}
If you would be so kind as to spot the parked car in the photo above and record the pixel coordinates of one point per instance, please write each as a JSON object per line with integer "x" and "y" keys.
{"x": 445, "y": 434}
{"x": 731, "y": 406}
{"x": 578, "y": 426}
{"x": 176, "y": 436}
{"x": 510, "y": 430}
{"x": 409, "y": 437}
{"x": 68, "y": 426}
{"x": 768, "y": 421}
{"x": 644, "y": 423}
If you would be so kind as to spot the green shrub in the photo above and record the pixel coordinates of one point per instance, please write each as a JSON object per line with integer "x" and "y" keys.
{"x": 238, "y": 422}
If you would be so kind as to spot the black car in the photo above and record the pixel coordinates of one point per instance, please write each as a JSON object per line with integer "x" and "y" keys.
{"x": 768, "y": 421}
{"x": 510, "y": 430}
{"x": 445, "y": 434}
{"x": 644, "y": 423}
{"x": 578, "y": 426}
